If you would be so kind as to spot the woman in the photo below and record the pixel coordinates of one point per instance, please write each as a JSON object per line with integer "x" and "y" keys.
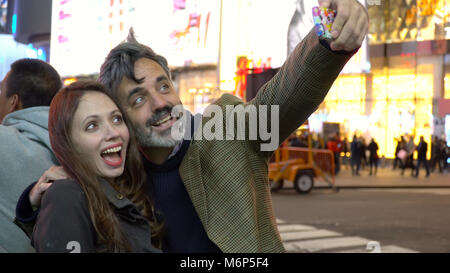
{"x": 104, "y": 208}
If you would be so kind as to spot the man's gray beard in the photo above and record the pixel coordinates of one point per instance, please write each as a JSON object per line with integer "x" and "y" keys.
{"x": 154, "y": 139}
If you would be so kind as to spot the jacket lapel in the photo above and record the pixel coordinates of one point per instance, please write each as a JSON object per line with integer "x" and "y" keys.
{"x": 191, "y": 175}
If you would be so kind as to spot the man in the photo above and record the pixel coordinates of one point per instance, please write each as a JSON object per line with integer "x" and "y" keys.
{"x": 355, "y": 147}
{"x": 436, "y": 153}
{"x": 373, "y": 156}
{"x": 214, "y": 195}
{"x": 334, "y": 144}
{"x": 25, "y": 94}
{"x": 397, "y": 149}
{"x": 422, "y": 149}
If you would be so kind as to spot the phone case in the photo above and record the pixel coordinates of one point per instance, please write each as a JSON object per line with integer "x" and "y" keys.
{"x": 323, "y": 20}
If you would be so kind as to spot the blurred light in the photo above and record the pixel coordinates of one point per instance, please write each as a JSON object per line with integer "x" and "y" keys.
{"x": 192, "y": 90}
{"x": 31, "y": 52}
{"x": 42, "y": 54}
{"x": 34, "y": 53}
{"x": 69, "y": 81}
{"x": 367, "y": 66}
{"x": 14, "y": 24}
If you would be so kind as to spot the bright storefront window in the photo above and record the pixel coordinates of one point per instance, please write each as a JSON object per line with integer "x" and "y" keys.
{"x": 393, "y": 100}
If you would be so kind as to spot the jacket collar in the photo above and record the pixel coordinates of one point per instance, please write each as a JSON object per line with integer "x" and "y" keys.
{"x": 115, "y": 198}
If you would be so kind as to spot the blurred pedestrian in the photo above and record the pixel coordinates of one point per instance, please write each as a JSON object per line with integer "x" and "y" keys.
{"x": 355, "y": 148}
{"x": 409, "y": 161}
{"x": 422, "y": 149}
{"x": 362, "y": 151}
{"x": 373, "y": 157}
{"x": 332, "y": 145}
{"x": 321, "y": 142}
{"x": 293, "y": 140}
{"x": 304, "y": 140}
{"x": 315, "y": 141}
{"x": 346, "y": 151}
{"x": 397, "y": 161}
{"x": 339, "y": 144}
{"x": 436, "y": 154}
{"x": 444, "y": 154}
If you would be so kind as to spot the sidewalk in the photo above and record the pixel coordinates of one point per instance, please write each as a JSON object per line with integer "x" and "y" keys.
{"x": 387, "y": 178}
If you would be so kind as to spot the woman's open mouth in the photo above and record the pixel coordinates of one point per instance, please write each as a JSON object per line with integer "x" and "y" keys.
{"x": 112, "y": 155}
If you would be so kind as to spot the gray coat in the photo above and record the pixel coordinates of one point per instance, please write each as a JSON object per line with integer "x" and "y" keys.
{"x": 26, "y": 155}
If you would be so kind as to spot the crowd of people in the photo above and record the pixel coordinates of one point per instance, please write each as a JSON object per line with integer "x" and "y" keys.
{"x": 358, "y": 154}
{"x": 405, "y": 150}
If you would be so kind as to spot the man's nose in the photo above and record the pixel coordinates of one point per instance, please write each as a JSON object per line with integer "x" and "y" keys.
{"x": 158, "y": 102}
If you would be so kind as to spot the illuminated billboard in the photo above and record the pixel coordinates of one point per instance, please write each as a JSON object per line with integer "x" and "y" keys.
{"x": 266, "y": 31}
{"x": 84, "y": 31}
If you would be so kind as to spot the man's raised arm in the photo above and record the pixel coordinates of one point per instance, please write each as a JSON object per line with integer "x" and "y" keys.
{"x": 304, "y": 80}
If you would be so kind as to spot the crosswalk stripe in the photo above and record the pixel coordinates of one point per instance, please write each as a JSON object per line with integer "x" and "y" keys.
{"x": 384, "y": 249}
{"x": 353, "y": 250}
{"x": 396, "y": 249}
{"x": 316, "y": 245}
{"x": 288, "y": 228}
{"x": 416, "y": 191}
{"x": 303, "y": 238}
{"x": 302, "y": 235}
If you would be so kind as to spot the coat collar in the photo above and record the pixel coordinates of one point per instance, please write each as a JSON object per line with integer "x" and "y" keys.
{"x": 115, "y": 198}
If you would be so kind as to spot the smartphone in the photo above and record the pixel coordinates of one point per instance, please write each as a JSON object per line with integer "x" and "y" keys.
{"x": 323, "y": 20}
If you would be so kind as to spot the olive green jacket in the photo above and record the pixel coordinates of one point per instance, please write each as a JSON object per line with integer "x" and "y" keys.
{"x": 228, "y": 180}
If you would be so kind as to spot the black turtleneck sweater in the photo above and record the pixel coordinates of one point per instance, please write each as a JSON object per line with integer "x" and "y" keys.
{"x": 184, "y": 233}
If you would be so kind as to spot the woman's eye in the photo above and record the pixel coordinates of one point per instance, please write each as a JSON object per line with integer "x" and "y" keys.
{"x": 117, "y": 119}
{"x": 90, "y": 126}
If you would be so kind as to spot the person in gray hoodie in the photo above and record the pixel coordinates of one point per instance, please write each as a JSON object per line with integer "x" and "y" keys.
{"x": 25, "y": 96}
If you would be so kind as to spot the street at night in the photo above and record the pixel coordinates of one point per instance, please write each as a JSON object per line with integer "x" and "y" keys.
{"x": 408, "y": 218}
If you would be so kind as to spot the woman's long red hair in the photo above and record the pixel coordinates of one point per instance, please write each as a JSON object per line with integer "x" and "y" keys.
{"x": 132, "y": 181}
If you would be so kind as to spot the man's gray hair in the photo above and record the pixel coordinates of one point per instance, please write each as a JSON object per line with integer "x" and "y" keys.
{"x": 120, "y": 63}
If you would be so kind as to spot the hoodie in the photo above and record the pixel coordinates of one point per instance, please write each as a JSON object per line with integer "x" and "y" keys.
{"x": 26, "y": 155}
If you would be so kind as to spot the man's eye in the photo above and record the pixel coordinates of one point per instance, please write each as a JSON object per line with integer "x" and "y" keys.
{"x": 138, "y": 100}
{"x": 164, "y": 87}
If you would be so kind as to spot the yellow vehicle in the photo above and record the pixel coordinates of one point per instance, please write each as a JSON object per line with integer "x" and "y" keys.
{"x": 301, "y": 166}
